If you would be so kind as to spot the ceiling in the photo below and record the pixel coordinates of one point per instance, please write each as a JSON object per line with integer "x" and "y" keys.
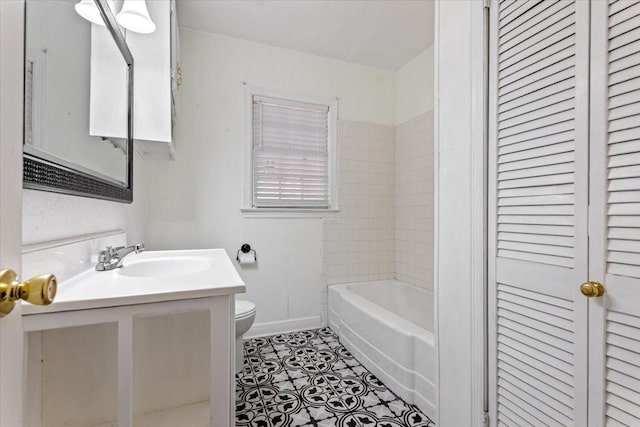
{"x": 378, "y": 33}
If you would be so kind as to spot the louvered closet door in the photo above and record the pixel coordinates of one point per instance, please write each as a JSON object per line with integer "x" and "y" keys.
{"x": 538, "y": 212}
{"x": 614, "y": 258}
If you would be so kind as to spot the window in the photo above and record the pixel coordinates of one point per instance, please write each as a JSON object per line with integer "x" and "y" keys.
{"x": 292, "y": 154}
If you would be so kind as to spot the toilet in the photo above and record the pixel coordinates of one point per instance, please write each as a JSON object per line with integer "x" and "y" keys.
{"x": 245, "y": 315}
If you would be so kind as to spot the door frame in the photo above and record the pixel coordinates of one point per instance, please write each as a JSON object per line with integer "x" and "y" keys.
{"x": 11, "y": 134}
{"x": 460, "y": 249}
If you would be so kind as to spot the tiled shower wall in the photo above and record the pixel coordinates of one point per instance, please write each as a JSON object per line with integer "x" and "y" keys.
{"x": 384, "y": 228}
{"x": 359, "y": 242}
{"x": 414, "y": 186}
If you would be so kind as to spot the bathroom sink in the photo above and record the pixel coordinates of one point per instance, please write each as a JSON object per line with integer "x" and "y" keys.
{"x": 148, "y": 277}
{"x": 165, "y": 266}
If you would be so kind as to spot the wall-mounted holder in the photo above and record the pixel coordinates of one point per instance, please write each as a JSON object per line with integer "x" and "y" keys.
{"x": 243, "y": 257}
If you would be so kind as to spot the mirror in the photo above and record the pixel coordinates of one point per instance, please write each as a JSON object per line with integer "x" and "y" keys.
{"x": 76, "y": 140}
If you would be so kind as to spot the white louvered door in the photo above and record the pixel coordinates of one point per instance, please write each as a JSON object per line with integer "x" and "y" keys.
{"x": 538, "y": 203}
{"x": 614, "y": 320}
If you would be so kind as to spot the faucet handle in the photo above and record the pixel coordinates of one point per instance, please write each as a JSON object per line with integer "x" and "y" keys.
{"x": 105, "y": 254}
{"x": 139, "y": 248}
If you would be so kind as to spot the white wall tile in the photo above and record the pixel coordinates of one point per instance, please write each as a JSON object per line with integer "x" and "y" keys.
{"x": 414, "y": 201}
{"x": 366, "y": 193}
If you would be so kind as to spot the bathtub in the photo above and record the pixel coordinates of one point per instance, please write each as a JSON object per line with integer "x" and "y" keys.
{"x": 388, "y": 326}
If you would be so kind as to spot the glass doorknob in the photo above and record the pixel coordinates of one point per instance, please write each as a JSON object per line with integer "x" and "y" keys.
{"x": 39, "y": 290}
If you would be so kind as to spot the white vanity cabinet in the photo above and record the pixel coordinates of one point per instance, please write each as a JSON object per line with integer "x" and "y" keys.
{"x": 142, "y": 345}
{"x": 156, "y": 83}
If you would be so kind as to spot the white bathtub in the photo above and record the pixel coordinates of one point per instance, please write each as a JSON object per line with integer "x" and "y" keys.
{"x": 388, "y": 326}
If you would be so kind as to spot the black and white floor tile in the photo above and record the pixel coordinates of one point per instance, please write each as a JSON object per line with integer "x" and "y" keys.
{"x": 308, "y": 378}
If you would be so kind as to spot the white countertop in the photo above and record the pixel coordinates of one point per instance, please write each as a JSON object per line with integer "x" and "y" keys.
{"x": 206, "y": 273}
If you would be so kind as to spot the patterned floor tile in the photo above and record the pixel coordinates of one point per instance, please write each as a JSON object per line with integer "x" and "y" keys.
{"x": 308, "y": 378}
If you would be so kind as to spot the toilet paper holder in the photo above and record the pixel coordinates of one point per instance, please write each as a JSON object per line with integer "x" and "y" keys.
{"x": 245, "y": 249}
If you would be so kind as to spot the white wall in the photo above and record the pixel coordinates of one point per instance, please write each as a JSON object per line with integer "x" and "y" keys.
{"x": 414, "y": 88}
{"x": 51, "y": 216}
{"x": 195, "y": 201}
{"x": 460, "y": 217}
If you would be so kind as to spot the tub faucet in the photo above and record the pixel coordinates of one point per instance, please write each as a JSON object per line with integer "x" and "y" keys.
{"x": 111, "y": 258}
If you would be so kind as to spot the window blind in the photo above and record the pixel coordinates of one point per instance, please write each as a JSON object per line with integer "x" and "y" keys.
{"x": 290, "y": 154}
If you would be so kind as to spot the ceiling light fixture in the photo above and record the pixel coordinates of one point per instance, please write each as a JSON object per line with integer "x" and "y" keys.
{"x": 134, "y": 16}
{"x": 89, "y": 11}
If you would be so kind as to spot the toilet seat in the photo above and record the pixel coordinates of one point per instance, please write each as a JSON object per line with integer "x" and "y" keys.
{"x": 244, "y": 309}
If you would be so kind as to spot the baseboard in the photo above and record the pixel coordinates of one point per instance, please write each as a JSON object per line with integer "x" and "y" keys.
{"x": 283, "y": 326}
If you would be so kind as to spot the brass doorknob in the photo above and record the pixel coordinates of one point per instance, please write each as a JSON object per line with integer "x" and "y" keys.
{"x": 39, "y": 290}
{"x": 592, "y": 289}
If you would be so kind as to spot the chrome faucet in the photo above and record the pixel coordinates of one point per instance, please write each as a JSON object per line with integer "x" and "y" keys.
{"x": 111, "y": 258}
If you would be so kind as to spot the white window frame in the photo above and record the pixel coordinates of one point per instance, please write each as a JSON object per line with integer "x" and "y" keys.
{"x": 248, "y": 209}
